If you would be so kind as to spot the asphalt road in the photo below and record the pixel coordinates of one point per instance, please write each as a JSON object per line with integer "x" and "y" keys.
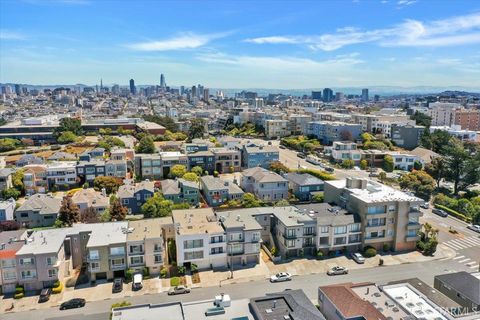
{"x": 308, "y": 283}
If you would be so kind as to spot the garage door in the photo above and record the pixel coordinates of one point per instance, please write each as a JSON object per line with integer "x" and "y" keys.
{"x": 8, "y": 288}
{"x": 101, "y": 276}
{"x": 236, "y": 260}
{"x": 252, "y": 259}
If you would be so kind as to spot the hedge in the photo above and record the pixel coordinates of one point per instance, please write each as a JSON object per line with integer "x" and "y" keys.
{"x": 454, "y": 213}
{"x": 57, "y": 289}
{"x": 18, "y": 295}
{"x": 370, "y": 252}
{"x": 175, "y": 281}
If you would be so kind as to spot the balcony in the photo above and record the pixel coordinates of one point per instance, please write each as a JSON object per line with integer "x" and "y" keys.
{"x": 414, "y": 225}
{"x": 412, "y": 237}
{"x": 96, "y": 269}
{"x": 134, "y": 253}
{"x": 290, "y": 236}
{"x": 93, "y": 259}
{"x": 121, "y": 266}
{"x": 376, "y": 225}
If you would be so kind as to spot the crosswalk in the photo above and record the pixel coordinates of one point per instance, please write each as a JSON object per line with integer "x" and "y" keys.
{"x": 460, "y": 244}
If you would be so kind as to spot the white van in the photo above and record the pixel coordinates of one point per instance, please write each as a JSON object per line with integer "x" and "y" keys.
{"x": 137, "y": 283}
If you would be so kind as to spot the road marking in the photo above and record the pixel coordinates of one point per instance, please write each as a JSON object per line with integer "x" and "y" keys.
{"x": 464, "y": 260}
{"x": 458, "y": 243}
{"x": 474, "y": 267}
{"x": 453, "y": 246}
{"x": 459, "y": 257}
{"x": 470, "y": 241}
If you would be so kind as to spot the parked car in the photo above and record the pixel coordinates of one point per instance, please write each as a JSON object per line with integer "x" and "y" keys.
{"x": 137, "y": 282}
{"x": 329, "y": 169}
{"x": 373, "y": 174}
{"x": 73, "y": 303}
{"x": 282, "y": 146}
{"x": 474, "y": 227}
{"x": 337, "y": 271}
{"x": 440, "y": 212}
{"x": 301, "y": 155}
{"x": 178, "y": 290}
{"x": 282, "y": 276}
{"x": 117, "y": 285}
{"x": 358, "y": 257}
{"x": 425, "y": 205}
{"x": 45, "y": 295}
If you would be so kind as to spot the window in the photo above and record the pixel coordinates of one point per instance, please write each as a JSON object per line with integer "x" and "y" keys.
{"x": 136, "y": 260}
{"x": 216, "y": 250}
{"x": 136, "y": 249}
{"x": 375, "y": 222}
{"x": 290, "y": 243}
{"x": 340, "y": 241}
{"x": 376, "y": 210}
{"x": 8, "y": 263}
{"x": 324, "y": 229}
{"x": 117, "y": 251}
{"x": 340, "y": 230}
{"x": 354, "y": 238}
{"x": 51, "y": 261}
{"x": 29, "y": 274}
{"x": 157, "y": 247}
{"x": 139, "y": 196}
{"x": 291, "y": 233}
{"x": 9, "y": 274}
{"x": 256, "y": 236}
{"x": 118, "y": 262}
{"x": 27, "y": 261}
{"x": 308, "y": 230}
{"x": 355, "y": 227}
{"x": 52, "y": 273}
{"x": 193, "y": 255}
{"x": 93, "y": 255}
{"x": 411, "y": 233}
{"x": 191, "y": 244}
{"x": 125, "y": 201}
{"x": 94, "y": 266}
{"x": 235, "y": 248}
{"x": 236, "y": 237}
{"x": 158, "y": 258}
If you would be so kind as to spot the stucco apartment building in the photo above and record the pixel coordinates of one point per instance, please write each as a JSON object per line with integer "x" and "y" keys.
{"x": 199, "y": 238}
{"x": 10, "y": 243}
{"x": 265, "y": 184}
{"x": 388, "y": 216}
{"x": 39, "y": 210}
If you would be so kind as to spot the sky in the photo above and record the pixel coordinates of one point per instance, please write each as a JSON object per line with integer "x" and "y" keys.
{"x": 242, "y": 44}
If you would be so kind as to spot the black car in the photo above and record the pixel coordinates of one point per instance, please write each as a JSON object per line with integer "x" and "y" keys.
{"x": 440, "y": 212}
{"x": 73, "y": 303}
{"x": 117, "y": 285}
{"x": 45, "y": 295}
{"x": 301, "y": 155}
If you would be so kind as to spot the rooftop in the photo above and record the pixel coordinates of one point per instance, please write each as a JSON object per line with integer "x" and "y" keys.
{"x": 238, "y": 219}
{"x": 303, "y": 179}
{"x": 11, "y": 242}
{"x": 291, "y": 216}
{"x": 104, "y": 234}
{"x": 263, "y": 175}
{"x": 164, "y": 311}
{"x": 43, "y": 203}
{"x": 467, "y": 284}
{"x": 91, "y": 197}
{"x": 139, "y": 230}
{"x": 196, "y": 221}
{"x": 327, "y": 214}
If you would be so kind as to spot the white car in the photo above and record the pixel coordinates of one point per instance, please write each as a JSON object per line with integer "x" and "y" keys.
{"x": 358, "y": 257}
{"x": 474, "y": 227}
{"x": 337, "y": 271}
{"x": 282, "y": 276}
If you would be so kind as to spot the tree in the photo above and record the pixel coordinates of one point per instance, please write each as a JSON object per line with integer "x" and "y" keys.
{"x": 436, "y": 169}
{"x": 69, "y": 212}
{"x": 197, "y": 170}
{"x": 190, "y": 176}
{"x": 282, "y": 203}
{"x": 156, "y": 207}
{"x": 346, "y": 135}
{"x": 363, "y": 164}
{"x": 109, "y": 142}
{"x": 278, "y": 167}
{"x": 73, "y": 125}
{"x": 421, "y": 119}
{"x": 348, "y": 164}
{"x": 110, "y": 184}
{"x": 440, "y": 139}
{"x": 117, "y": 211}
{"x": 318, "y": 197}
{"x": 8, "y": 144}
{"x": 250, "y": 201}
{"x": 420, "y": 182}
{"x": 89, "y": 215}
{"x": 66, "y": 137}
{"x": 426, "y": 139}
{"x": 146, "y": 145}
{"x": 11, "y": 193}
{"x": 417, "y": 165}
{"x": 197, "y": 128}
{"x": 461, "y": 167}
{"x": 177, "y": 171}
{"x": 388, "y": 164}
{"x": 17, "y": 180}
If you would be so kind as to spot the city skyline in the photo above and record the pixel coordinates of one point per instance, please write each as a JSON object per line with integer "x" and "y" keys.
{"x": 261, "y": 45}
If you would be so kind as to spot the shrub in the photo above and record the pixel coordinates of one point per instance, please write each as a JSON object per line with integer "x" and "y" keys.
{"x": 181, "y": 270}
{"x": 215, "y": 173}
{"x": 430, "y": 247}
{"x": 19, "y": 289}
{"x": 386, "y": 247}
{"x": 175, "y": 281}
{"x": 454, "y": 213}
{"x": 57, "y": 289}
{"x": 273, "y": 251}
{"x": 380, "y": 262}
{"x": 128, "y": 275}
{"x": 57, "y": 284}
{"x": 19, "y": 295}
{"x": 163, "y": 272}
{"x": 420, "y": 245}
{"x": 319, "y": 255}
{"x": 370, "y": 252}
{"x": 193, "y": 267}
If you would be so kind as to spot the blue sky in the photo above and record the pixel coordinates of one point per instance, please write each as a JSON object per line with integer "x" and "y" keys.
{"x": 242, "y": 44}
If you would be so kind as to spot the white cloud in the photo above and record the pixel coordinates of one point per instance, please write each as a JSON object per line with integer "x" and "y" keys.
{"x": 459, "y": 30}
{"x": 406, "y": 2}
{"x": 11, "y": 35}
{"x": 184, "y": 41}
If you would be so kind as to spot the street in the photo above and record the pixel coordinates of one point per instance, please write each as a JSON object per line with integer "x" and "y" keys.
{"x": 308, "y": 283}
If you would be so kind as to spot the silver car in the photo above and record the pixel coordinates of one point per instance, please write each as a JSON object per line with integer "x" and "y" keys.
{"x": 178, "y": 290}
{"x": 474, "y": 227}
{"x": 282, "y": 276}
{"x": 337, "y": 271}
{"x": 358, "y": 257}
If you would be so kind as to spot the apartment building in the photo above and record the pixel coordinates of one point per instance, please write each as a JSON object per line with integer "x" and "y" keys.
{"x": 381, "y": 123}
{"x": 276, "y": 128}
{"x": 407, "y": 136}
{"x": 226, "y": 160}
{"x": 217, "y": 191}
{"x": 39, "y": 210}
{"x": 442, "y": 113}
{"x": 265, "y": 184}
{"x": 10, "y": 243}
{"x": 345, "y": 150}
{"x": 170, "y": 159}
{"x": 90, "y": 198}
{"x": 146, "y": 244}
{"x": 259, "y": 156}
{"x": 7, "y": 209}
{"x": 134, "y": 195}
{"x": 87, "y": 171}
{"x": 116, "y": 168}
{"x": 329, "y": 132}
{"x": 106, "y": 250}
{"x": 35, "y": 179}
{"x": 298, "y": 123}
{"x": 388, "y": 216}
{"x": 457, "y": 132}
{"x": 243, "y": 234}
{"x": 181, "y": 190}
{"x": 199, "y": 238}
{"x": 304, "y": 185}
{"x": 202, "y": 159}
{"x": 61, "y": 175}
{"x": 467, "y": 119}
{"x": 148, "y": 166}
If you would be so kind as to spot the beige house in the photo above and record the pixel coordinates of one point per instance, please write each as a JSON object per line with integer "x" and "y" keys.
{"x": 86, "y": 198}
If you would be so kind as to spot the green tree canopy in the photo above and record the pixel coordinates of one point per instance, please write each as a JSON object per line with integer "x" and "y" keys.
{"x": 190, "y": 176}
{"x": 461, "y": 166}
{"x": 388, "y": 164}
{"x": 197, "y": 128}
{"x": 250, "y": 201}
{"x": 156, "y": 207}
{"x": 421, "y": 119}
{"x": 66, "y": 137}
{"x": 178, "y": 171}
{"x": 278, "y": 167}
{"x": 420, "y": 182}
{"x": 197, "y": 170}
{"x": 11, "y": 193}
{"x": 146, "y": 145}
{"x": 111, "y": 184}
{"x": 8, "y": 144}
{"x": 73, "y": 125}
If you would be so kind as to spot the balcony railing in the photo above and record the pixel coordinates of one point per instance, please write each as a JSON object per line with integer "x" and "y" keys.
{"x": 290, "y": 236}
{"x": 117, "y": 266}
{"x": 135, "y": 253}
